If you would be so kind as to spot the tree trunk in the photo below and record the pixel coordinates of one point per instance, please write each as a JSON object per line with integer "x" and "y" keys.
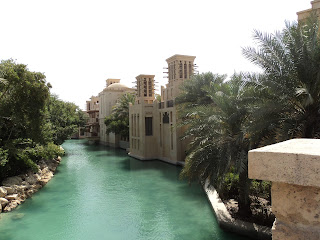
{"x": 244, "y": 200}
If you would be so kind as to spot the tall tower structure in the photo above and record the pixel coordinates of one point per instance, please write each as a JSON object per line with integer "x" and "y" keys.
{"x": 145, "y": 89}
{"x": 180, "y": 68}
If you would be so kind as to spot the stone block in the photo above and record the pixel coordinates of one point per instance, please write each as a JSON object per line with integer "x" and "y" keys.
{"x": 293, "y": 167}
{"x": 12, "y": 181}
{"x": 284, "y": 231}
{"x": 12, "y": 197}
{"x": 11, "y": 190}
{"x": 3, "y": 192}
{"x": 3, "y": 202}
{"x": 295, "y": 161}
{"x": 296, "y": 204}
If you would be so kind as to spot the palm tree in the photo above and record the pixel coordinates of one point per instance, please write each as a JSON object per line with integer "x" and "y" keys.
{"x": 194, "y": 91}
{"x": 215, "y": 127}
{"x": 289, "y": 88}
{"x": 118, "y": 121}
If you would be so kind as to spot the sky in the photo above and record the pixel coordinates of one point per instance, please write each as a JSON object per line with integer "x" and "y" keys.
{"x": 79, "y": 44}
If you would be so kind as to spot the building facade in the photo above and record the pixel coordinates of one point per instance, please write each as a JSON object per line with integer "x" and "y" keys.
{"x": 92, "y": 128}
{"x": 154, "y": 131}
{"x": 108, "y": 99}
{"x": 306, "y": 13}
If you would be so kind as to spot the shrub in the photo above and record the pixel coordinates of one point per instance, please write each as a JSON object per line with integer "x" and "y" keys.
{"x": 229, "y": 186}
{"x": 261, "y": 189}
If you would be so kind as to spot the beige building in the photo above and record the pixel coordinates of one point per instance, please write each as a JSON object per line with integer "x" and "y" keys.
{"x": 306, "y": 13}
{"x": 153, "y": 126}
{"x": 108, "y": 99}
{"x": 92, "y": 128}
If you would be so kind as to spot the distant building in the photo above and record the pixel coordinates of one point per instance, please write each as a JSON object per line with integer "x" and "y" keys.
{"x": 108, "y": 99}
{"x": 92, "y": 128}
{"x": 306, "y": 13}
{"x": 154, "y": 133}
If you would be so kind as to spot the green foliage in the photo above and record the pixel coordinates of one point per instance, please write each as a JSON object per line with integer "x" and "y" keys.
{"x": 289, "y": 87}
{"x": 195, "y": 90}
{"x": 3, "y": 157}
{"x": 226, "y": 119}
{"x": 118, "y": 121}
{"x": 117, "y": 126}
{"x": 30, "y": 120}
{"x": 261, "y": 189}
{"x": 158, "y": 97}
{"x": 228, "y": 187}
{"x": 23, "y": 96}
{"x": 215, "y": 132}
{"x": 65, "y": 118}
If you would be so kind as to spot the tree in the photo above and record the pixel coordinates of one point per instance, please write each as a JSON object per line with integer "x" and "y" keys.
{"x": 215, "y": 129}
{"x": 64, "y": 119}
{"x": 30, "y": 120}
{"x": 158, "y": 97}
{"x": 289, "y": 87}
{"x": 118, "y": 121}
{"x": 194, "y": 91}
{"x": 23, "y": 97}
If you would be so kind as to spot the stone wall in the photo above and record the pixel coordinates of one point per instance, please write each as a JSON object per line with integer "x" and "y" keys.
{"x": 293, "y": 167}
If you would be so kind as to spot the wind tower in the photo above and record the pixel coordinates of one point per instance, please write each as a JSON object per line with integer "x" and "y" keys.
{"x": 145, "y": 89}
{"x": 180, "y": 68}
{"x": 112, "y": 81}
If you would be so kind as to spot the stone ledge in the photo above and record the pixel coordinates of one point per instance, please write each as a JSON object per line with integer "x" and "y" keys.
{"x": 296, "y": 161}
{"x": 228, "y": 223}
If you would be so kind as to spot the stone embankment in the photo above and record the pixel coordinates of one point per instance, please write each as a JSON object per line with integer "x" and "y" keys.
{"x": 15, "y": 190}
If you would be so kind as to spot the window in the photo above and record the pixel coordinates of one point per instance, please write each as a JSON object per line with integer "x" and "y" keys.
{"x": 165, "y": 118}
{"x": 138, "y": 127}
{"x": 150, "y": 87}
{"x": 190, "y": 69}
{"x": 180, "y": 70}
{"x": 148, "y": 121}
{"x": 145, "y": 87}
{"x": 132, "y": 124}
{"x": 160, "y": 136}
{"x": 171, "y": 130}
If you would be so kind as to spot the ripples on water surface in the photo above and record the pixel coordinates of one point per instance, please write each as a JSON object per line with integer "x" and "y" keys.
{"x": 101, "y": 193}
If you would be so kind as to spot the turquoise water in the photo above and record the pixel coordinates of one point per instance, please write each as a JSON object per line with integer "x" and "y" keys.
{"x": 101, "y": 193}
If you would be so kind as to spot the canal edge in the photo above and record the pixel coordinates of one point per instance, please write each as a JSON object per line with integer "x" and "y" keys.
{"x": 230, "y": 224}
{"x": 15, "y": 190}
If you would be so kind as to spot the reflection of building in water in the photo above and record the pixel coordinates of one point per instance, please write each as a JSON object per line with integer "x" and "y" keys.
{"x": 153, "y": 125}
{"x": 108, "y": 99}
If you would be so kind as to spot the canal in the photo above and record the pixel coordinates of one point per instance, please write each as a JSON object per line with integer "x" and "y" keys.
{"x": 101, "y": 193}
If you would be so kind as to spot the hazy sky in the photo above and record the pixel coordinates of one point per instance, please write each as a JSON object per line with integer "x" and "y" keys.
{"x": 79, "y": 44}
